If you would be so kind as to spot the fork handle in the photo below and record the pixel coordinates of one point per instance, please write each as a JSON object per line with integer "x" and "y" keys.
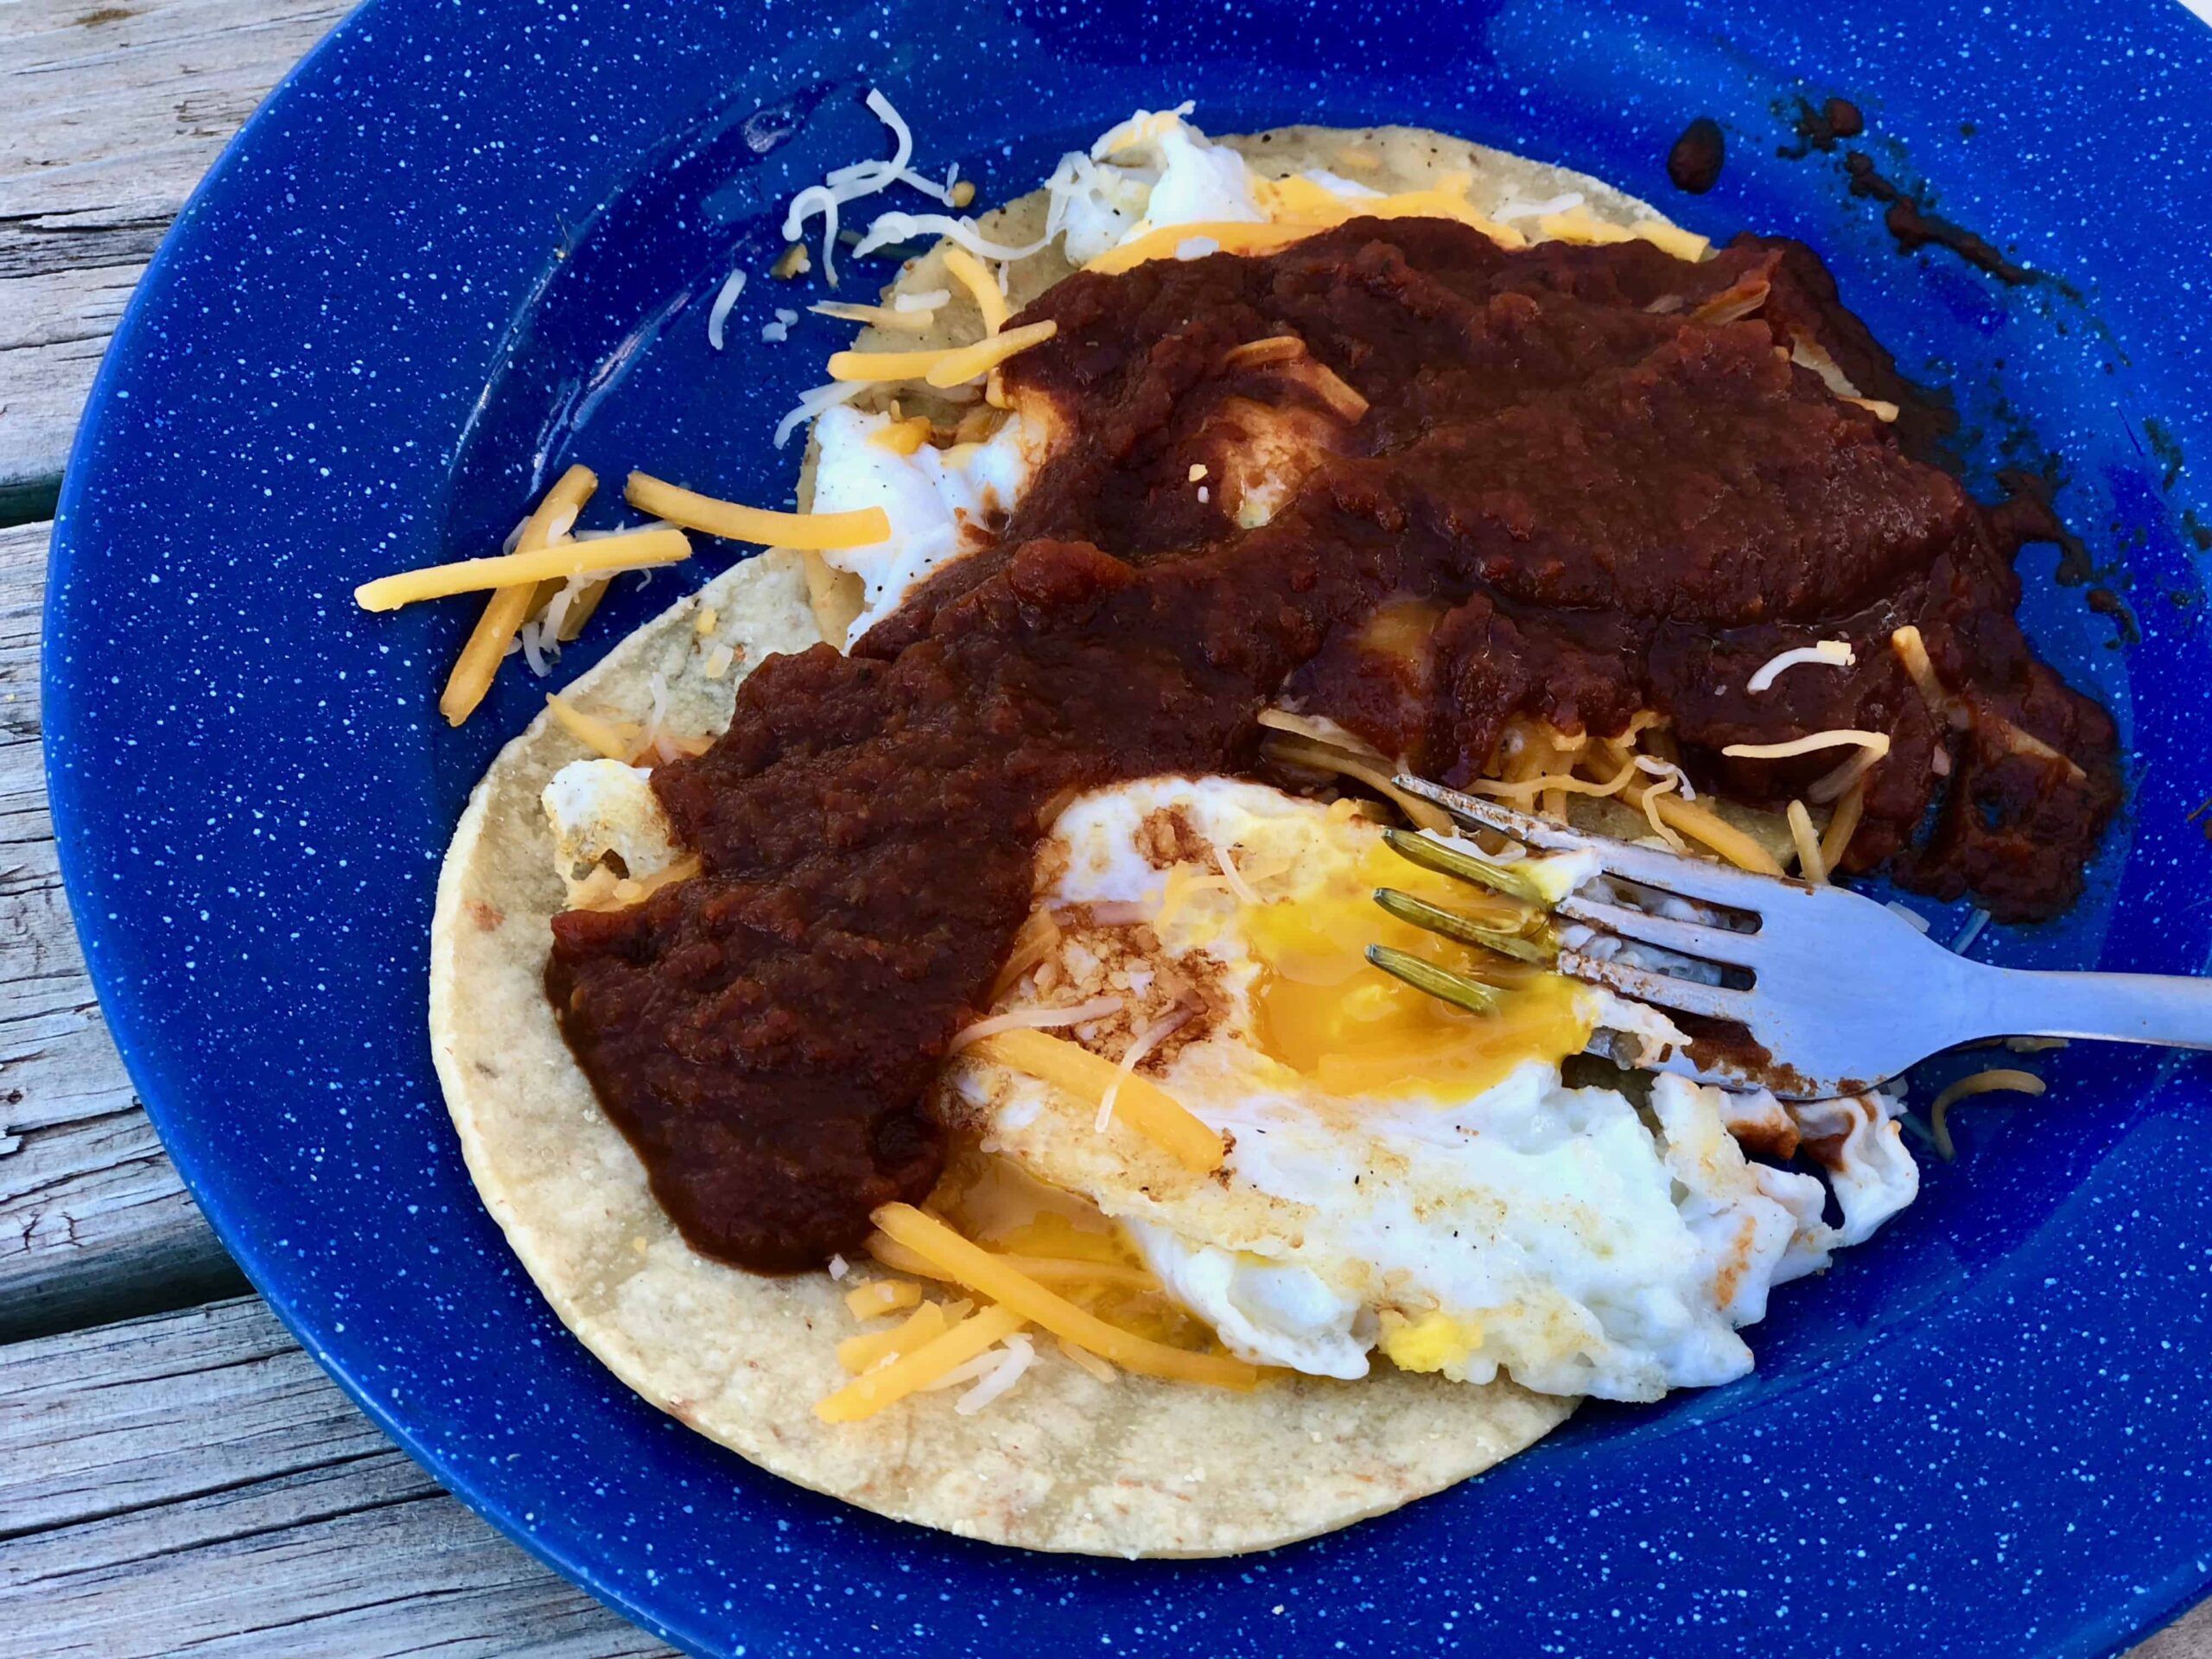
{"x": 2170, "y": 1010}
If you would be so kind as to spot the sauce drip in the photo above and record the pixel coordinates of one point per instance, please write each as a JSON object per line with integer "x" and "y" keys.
{"x": 1694, "y": 164}
{"x": 1915, "y": 227}
{"x": 1818, "y": 129}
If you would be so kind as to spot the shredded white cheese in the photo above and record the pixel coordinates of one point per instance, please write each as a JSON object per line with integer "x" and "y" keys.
{"x": 1146, "y": 1041}
{"x": 907, "y": 227}
{"x": 1829, "y": 653}
{"x": 733, "y": 285}
{"x": 1019, "y": 1353}
{"x": 846, "y": 184}
{"x": 812, "y": 403}
{"x": 1515, "y": 207}
{"x": 1099, "y": 1007}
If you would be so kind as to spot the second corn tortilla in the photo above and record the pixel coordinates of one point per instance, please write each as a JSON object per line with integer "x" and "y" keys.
{"x": 1066, "y": 1461}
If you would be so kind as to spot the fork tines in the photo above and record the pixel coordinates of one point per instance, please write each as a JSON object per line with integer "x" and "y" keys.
{"x": 1665, "y": 874}
{"x": 1692, "y": 878}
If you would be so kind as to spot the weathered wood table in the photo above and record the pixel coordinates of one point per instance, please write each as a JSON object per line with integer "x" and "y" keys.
{"x": 175, "y": 1472}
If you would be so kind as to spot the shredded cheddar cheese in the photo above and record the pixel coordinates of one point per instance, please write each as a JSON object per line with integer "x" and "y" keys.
{"x": 1083, "y": 1360}
{"x": 2020, "y": 741}
{"x": 1257, "y": 353}
{"x": 1580, "y": 224}
{"x": 509, "y": 607}
{"x": 966, "y": 269}
{"x": 581, "y": 606}
{"x": 902, "y": 437}
{"x": 1027, "y": 1300}
{"x": 604, "y": 890}
{"x": 1843, "y": 823}
{"x": 1877, "y": 742}
{"x": 1811, "y": 863}
{"x": 612, "y": 740}
{"x": 808, "y": 531}
{"x": 1981, "y": 1082}
{"x": 877, "y": 316}
{"x": 881, "y": 1296}
{"x": 866, "y": 1395}
{"x": 951, "y": 365}
{"x": 495, "y": 630}
{"x": 1044, "y": 1269}
{"x": 1143, "y": 1105}
{"x": 1701, "y": 823}
{"x": 1227, "y": 236}
{"x": 1305, "y": 201}
{"x": 1039, "y": 937}
{"x": 1343, "y": 399}
{"x": 1912, "y": 652}
{"x": 637, "y": 550}
{"x": 864, "y": 1353}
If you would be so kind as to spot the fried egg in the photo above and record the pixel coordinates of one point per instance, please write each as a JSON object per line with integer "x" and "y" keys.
{"x": 940, "y": 503}
{"x": 604, "y": 811}
{"x": 1153, "y": 169}
{"x": 1402, "y": 1177}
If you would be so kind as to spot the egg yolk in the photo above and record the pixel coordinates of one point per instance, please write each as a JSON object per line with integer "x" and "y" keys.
{"x": 1435, "y": 1342}
{"x": 1324, "y": 1010}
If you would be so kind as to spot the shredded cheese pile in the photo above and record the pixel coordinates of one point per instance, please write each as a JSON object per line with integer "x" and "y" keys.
{"x": 943, "y": 1345}
{"x": 860, "y": 179}
{"x": 548, "y": 584}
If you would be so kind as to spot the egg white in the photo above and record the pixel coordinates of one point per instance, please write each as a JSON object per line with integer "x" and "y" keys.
{"x": 1560, "y": 1235}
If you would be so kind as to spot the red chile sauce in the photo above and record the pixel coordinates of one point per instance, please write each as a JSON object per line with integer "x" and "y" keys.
{"x": 1575, "y": 499}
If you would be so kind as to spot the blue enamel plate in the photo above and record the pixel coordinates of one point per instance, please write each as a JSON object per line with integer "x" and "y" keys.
{"x": 469, "y": 243}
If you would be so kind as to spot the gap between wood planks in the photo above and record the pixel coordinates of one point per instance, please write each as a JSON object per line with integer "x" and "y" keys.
{"x": 193, "y": 1481}
{"x": 94, "y": 1223}
{"x": 114, "y": 111}
{"x": 190, "y": 1479}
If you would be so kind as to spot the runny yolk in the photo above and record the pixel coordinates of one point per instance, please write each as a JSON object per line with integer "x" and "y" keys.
{"x": 1322, "y": 1009}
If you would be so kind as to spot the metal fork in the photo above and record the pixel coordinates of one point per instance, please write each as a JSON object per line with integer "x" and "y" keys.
{"x": 1840, "y": 993}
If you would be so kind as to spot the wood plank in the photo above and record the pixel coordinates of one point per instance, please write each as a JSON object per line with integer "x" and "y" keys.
{"x": 192, "y": 1481}
{"x": 94, "y": 1223}
{"x": 114, "y": 111}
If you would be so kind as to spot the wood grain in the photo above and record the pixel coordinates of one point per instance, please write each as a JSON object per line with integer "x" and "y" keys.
{"x": 113, "y": 111}
{"x": 94, "y": 1224}
{"x": 192, "y": 1482}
